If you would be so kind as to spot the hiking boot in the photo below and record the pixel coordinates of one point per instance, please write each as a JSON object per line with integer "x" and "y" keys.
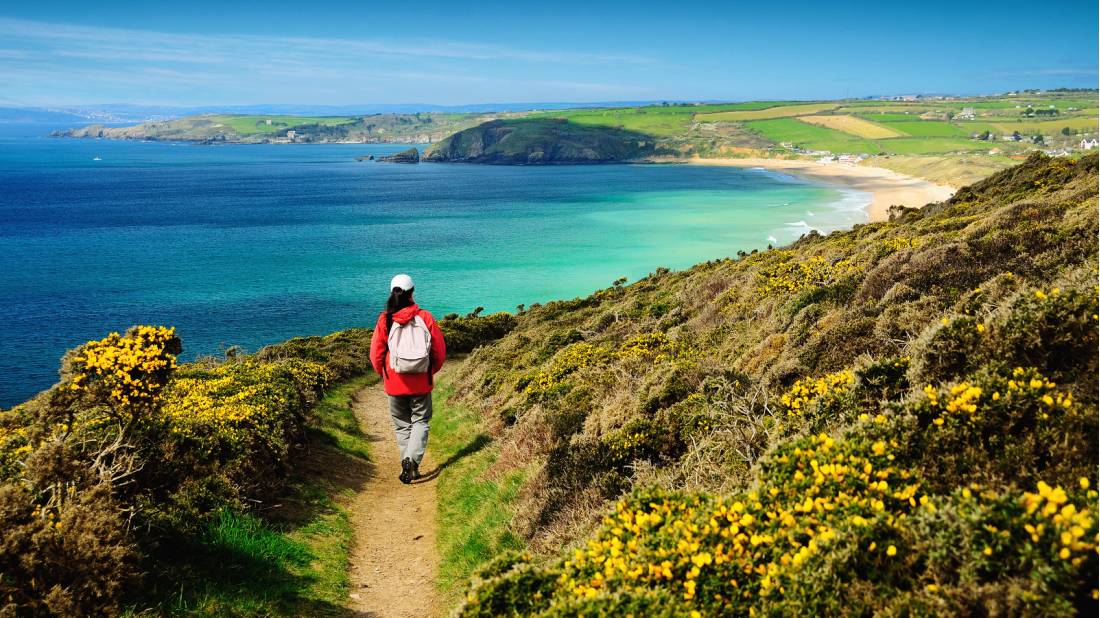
{"x": 408, "y": 468}
{"x": 415, "y": 471}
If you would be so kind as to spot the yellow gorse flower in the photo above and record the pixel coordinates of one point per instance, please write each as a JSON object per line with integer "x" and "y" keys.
{"x": 789, "y": 277}
{"x": 130, "y": 368}
{"x": 810, "y": 390}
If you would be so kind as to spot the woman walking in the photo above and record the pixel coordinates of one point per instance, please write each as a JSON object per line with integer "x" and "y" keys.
{"x": 407, "y": 349}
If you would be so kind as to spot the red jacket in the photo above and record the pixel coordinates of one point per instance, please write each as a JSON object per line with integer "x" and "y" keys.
{"x": 405, "y": 383}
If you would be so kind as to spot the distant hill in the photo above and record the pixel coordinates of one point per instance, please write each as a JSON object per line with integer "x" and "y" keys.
{"x": 258, "y": 129}
{"x": 37, "y": 115}
{"x": 543, "y": 141}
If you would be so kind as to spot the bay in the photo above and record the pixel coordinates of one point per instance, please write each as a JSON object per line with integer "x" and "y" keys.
{"x": 253, "y": 244}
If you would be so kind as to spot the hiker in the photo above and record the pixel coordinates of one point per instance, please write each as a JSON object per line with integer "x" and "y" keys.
{"x": 407, "y": 349}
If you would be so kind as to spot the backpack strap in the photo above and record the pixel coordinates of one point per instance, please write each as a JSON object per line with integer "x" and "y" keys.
{"x": 431, "y": 376}
{"x": 386, "y": 360}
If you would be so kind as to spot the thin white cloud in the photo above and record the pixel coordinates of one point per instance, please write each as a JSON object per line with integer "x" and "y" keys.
{"x": 63, "y": 62}
{"x": 103, "y": 42}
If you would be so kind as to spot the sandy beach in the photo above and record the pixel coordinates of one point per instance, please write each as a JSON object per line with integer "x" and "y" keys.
{"x": 886, "y": 187}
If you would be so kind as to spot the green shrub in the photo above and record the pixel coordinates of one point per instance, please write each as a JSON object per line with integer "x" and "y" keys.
{"x": 883, "y": 379}
{"x": 464, "y": 334}
{"x": 1053, "y": 330}
{"x": 345, "y": 354}
{"x": 523, "y": 591}
{"x": 1007, "y": 428}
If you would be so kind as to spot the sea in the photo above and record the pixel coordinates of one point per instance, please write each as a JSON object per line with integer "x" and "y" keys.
{"x": 247, "y": 245}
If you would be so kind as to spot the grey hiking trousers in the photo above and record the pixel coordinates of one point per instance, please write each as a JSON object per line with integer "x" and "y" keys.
{"x": 410, "y": 414}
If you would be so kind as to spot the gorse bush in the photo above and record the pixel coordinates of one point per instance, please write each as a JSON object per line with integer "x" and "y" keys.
{"x": 129, "y": 450}
{"x": 464, "y": 334}
{"x": 898, "y": 419}
{"x": 345, "y": 354}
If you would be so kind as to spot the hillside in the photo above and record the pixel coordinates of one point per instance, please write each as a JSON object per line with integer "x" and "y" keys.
{"x": 227, "y": 128}
{"x": 899, "y": 419}
{"x": 932, "y": 126}
{"x": 541, "y": 142}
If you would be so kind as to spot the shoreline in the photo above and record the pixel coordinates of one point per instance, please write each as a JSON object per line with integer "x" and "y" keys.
{"x": 886, "y": 187}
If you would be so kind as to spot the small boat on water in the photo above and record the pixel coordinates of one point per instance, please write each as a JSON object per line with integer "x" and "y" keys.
{"x": 97, "y": 158}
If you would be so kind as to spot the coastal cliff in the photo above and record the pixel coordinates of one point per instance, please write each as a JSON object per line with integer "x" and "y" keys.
{"x": 541, "y": 142}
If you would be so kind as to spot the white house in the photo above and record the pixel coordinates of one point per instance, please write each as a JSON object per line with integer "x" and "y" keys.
{"x": 1089, "y": 144}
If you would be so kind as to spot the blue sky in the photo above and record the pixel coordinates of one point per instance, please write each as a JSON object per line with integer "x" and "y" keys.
{"x": 340, "y": 53}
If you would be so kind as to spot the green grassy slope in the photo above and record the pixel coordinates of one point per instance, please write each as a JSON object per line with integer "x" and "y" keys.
{"x": 541, "y": 141}
{"x": 877, "y": 421}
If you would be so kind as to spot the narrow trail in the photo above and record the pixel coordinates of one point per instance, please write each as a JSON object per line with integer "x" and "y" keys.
{"x": 394, "y": 560}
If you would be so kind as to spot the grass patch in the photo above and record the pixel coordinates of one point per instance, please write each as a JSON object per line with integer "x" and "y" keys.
{"x": 291, "y": 559}
{"x": 474, "y": 509}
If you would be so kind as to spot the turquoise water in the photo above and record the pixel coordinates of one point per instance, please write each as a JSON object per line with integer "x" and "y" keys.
{"x": 248, "y": 245}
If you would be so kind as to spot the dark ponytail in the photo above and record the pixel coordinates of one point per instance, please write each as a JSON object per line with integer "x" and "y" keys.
{"x": 398, "y": 300}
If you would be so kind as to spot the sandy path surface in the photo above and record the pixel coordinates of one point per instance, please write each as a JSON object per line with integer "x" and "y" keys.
{"x": 394, "y": 561}
{"x": 886, "y": 187}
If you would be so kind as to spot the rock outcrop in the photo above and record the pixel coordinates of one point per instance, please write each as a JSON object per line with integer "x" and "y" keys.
{"x": 411, "y": 155}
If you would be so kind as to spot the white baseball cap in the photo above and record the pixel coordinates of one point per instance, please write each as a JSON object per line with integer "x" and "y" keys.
{"x": 402, "y": 281}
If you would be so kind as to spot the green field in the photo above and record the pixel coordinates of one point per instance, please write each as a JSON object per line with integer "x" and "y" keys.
{"x": 782, "y": 111}
{"x": 927, "y": 128}
{"x": 673, "y": 120}
{"x": 246, "y": 125}
{"x": 656, "y": 121}
{"x": 877, "y": 116}
{"x": 1048, "y": 127}
{"x": 810, "y": 136}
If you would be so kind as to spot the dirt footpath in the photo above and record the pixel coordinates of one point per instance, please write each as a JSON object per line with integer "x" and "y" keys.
{"x": 394, "y": 560}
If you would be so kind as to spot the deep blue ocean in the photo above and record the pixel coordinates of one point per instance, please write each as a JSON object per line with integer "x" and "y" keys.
{"x": 253, "y": 244}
